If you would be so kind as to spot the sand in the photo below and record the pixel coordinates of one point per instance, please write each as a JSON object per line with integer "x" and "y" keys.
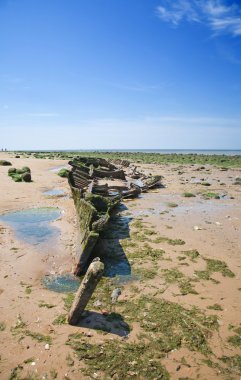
{"x": 210, "y": 226}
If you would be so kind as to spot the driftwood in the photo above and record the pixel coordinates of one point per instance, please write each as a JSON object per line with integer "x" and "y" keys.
{"x": 85, "y": 291}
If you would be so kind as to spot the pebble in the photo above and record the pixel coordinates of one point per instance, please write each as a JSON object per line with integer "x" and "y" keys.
{"x": 115, "y": 294}
{"x": 97, "y": 303}
{"x": 197, "y": 228}
{"x": 46, "y": 347}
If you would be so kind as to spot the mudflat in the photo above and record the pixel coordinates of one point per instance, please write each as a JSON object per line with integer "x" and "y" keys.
{"x": 175, "y": 254}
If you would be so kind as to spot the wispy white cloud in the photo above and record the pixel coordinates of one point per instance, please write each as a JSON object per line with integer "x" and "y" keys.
{"x": 217, "y": 15}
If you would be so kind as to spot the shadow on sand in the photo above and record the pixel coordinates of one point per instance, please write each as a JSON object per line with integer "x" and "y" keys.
{"x": 112, "y": 323}
{"x": 109, "y": 248}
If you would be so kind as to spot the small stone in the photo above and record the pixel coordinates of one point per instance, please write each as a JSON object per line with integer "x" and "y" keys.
{"x": 95, "y": 375}
{"x": 89, "y": 334}
{"x": 46, "y": 347}
{"x": 97, "y": 303}
{"x": 197, "y": 228}
{"x": 33, "y": 363}
{"x": 115, "y": 294}
{"x": 104, "y": 312}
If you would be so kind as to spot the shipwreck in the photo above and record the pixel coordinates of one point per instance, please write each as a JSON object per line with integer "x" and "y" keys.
{"x": 98, "y": 186}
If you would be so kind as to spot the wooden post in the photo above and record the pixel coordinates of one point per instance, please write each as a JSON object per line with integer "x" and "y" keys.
{"x": 85, "y": 291}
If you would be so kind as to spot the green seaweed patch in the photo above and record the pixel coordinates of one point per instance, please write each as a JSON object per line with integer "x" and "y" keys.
{"x": 235, "y": 340}
{"x": 173, "y": 275}
{"x": 172, "y": 204}
{"x": 47, "y": 305}
{"x": 188, "y": 195}
{"x": 233, "y": 362}
{"x": 214, "y": 266}
{"x": 218, "y": 266}
{"x": 68, "y": 300}
{"x": 192, "y": 254}
{"x": 38, "y": 336}
{"x": 146, "y": 252}
{"x": 216, "y": 306}
{"x": 146, "y": 273}
{"x": 186, "y": 287}
{"x": 137, "y": 361}
{"x": 2, "y": 326}
{"x": 163, "y": 239}
{"x": 60, "y": 320}
{"x": 173, "y": 325}
{"x": 16, "y": 177}
{"x": 211, "y": 195}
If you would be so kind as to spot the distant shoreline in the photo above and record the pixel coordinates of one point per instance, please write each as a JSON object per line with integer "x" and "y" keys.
{"x": 228, "y": 152}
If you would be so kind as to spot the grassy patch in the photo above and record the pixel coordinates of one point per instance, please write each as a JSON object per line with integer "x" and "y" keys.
{"x": 188, "y": 195}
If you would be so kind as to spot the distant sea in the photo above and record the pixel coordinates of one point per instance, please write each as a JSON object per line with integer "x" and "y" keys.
{"x": 174, "y": 151}
{"x": 228, "y": 152}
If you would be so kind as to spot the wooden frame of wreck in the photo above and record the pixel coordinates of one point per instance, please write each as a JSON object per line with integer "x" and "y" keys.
{"x": 94, "y": 201}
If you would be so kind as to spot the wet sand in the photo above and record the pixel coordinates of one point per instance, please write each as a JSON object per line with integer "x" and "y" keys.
{"x": 212, "y": 227}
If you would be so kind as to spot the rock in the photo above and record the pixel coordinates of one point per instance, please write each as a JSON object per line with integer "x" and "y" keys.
{"x": 26, "y": 169}
{"x": 197, "y": 228}
{"x": 11, "y": 171}
{"x": 46, "y": 347}
{"x": 5, "y": 163}
{"x": 63, "y": 173}
{"x": 115, "y": 294}
{"x": 26, "y": 177}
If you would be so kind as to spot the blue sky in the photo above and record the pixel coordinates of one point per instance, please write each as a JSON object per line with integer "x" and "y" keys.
{"x": 83, "y": 74}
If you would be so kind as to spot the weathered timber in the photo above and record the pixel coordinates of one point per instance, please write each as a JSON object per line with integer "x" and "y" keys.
{"x": 94, "y": 201}
{"x": 85, "y": 291}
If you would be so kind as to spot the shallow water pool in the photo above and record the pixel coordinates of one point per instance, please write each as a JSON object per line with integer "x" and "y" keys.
{"x": 54, "y": 192}
{"x": 33, "y": 225}
{"x": 65, "y": 283}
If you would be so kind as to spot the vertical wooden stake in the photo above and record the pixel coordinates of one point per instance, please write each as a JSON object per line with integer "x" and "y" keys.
{"x": 85, "y": 291}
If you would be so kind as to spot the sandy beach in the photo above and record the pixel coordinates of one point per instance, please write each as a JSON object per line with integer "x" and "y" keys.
{"x": 190, "y": 230}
